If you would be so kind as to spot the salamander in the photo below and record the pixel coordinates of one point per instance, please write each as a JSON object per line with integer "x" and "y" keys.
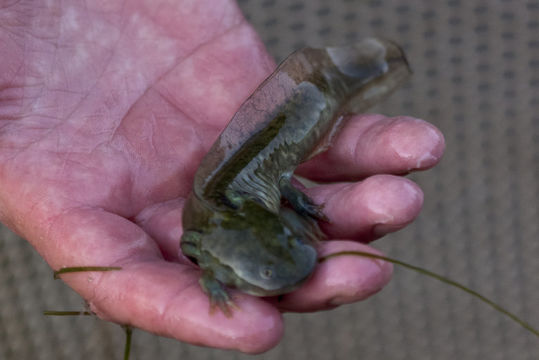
{"x": 245, "y": 224}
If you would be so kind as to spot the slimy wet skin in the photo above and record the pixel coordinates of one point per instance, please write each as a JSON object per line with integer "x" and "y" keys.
{"x": 244, "y": 223}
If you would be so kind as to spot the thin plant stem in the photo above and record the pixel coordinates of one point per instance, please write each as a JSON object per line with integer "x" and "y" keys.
{"x": 66, "y": 313}
{"x": 74, "y": 269}
{"x": 441, "y": 278}
{"x": 128, "y": 335}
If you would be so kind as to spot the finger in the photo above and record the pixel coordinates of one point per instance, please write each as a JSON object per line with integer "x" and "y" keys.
{"x": 370, "y": 209}
{"x": 339, "y": 280}
{"x": 166, "y": 299}
{"x": 150, "y": 293}
{"x": 363, "y": 211}
{"x": 375, "y": 144}
{"x": 163, "y": 222}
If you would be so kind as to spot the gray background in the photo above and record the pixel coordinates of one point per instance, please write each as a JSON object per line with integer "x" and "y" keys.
{"x": 476, "y": 77}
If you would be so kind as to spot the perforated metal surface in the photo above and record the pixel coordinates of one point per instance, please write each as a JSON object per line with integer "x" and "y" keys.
{"x": 476, "y": 76}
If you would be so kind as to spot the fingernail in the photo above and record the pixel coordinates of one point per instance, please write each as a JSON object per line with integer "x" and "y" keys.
{"x": 422, "y": 145}
{"x": 406, "y": 200}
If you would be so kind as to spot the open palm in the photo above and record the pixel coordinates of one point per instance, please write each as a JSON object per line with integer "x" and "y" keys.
{"x": 105, "y": 112}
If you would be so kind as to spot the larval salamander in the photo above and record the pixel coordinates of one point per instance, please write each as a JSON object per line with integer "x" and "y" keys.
{"x": 244, "y": 223}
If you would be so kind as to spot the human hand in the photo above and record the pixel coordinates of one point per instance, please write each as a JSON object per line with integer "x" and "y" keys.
{"x": 105, "y": 113}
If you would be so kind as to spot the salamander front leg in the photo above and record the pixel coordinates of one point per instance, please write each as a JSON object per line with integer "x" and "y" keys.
{"x": 217, "y": 293}
{"x": 300, "y": 202}
{"x": 210, "y": 285}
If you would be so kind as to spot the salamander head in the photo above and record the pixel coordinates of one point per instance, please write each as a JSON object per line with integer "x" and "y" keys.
{"x": 252, "y": 250}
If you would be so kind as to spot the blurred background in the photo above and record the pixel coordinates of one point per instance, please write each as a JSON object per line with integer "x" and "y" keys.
{"x": 476, "y": 77}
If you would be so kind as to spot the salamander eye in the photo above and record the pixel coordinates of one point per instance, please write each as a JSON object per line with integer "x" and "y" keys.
{"x": 266, "y": 272}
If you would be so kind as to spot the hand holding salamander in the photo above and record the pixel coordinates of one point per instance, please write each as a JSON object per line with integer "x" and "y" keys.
{"x": 97, "y": 161}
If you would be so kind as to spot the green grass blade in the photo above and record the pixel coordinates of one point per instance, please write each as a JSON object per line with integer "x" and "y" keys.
{"x": 74, "y": 269}
{"x": 128, "y": 334}
{"x": 66, "y": 313}
{"x": 441, "y": 278}
{"x": 128, "y": 329}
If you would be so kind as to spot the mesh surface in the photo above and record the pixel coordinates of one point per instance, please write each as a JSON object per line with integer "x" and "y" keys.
{"x": 476, "y": 76}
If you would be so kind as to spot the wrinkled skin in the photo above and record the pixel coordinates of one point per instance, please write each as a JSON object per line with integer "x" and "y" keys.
{"x": 105, "y": 112}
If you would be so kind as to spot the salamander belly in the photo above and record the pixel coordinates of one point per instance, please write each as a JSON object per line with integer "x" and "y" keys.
{"x": 297, "y": 127}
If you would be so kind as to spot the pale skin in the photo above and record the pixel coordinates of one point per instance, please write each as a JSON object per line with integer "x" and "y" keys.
{"x": 105, "y": 112}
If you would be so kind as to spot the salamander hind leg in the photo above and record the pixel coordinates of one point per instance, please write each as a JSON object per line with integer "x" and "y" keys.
{"x": 300, "y": 202}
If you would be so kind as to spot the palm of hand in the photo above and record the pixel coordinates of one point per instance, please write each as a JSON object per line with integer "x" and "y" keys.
{"x": 107, "y": 114}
